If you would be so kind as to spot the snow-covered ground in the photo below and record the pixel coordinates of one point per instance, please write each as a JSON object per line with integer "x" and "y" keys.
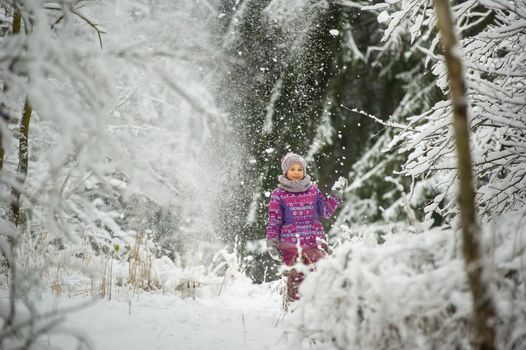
{"x": 243, "y": 316}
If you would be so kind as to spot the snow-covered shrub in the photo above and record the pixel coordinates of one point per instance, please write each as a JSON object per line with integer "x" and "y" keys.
{"x": 190, "y": 278}
{"x": 411, "y": 292}
{"x": 122, "y": 118}
{"x": 113, "y": 137}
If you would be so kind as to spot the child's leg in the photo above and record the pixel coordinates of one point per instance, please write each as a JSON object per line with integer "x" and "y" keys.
{"x": 311, "y": 256}
{"x": 290, "y": 256}
{"x": 293, "y": 282}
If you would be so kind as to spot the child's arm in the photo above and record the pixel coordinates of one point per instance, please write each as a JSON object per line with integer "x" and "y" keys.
{"x": 327, "y": 206}
{"x": 275, "y": 217}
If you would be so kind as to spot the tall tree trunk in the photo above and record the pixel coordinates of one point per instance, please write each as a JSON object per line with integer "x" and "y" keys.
{"x": 23, "y": 145}
{"x": 2, "y": 151}
{"x": 13, "y": 215}
{"x": 484, "y": 310}
{"x": 23, "y": 160}
{"x": 15, "y": 29}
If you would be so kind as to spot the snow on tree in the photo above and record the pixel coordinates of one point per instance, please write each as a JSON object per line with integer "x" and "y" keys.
{"x": 491, "y": 46}
{"x": 124, "y": 133}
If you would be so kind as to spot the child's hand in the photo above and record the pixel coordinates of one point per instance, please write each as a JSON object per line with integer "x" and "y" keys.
{"x": 339, "y": 186}
{"x": 272, "y": 248}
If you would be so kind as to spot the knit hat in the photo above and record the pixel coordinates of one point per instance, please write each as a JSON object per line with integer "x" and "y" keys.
{"x": 291, "y": 158}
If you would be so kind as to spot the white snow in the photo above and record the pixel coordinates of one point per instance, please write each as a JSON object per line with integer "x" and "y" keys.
{"x": 341, "y": 183}
{"x": 243, "y": 316}
{"x": 410, "y": 292}
{"x": 383, "y": 17}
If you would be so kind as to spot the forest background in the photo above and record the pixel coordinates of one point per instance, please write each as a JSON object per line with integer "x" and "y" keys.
{"x": 141, "y": 131}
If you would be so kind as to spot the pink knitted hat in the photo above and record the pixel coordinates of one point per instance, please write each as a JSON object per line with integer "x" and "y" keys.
{"x": 291, "y": 158}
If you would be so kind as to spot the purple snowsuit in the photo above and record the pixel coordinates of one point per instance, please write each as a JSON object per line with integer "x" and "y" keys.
{"x": 293, "y": 216}
{"x": 297, "y": 215}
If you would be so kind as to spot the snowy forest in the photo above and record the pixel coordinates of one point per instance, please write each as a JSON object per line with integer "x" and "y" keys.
{"x": 141, "y": 142}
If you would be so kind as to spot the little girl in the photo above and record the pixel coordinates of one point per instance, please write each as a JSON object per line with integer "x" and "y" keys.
{"x": 294, "y": 231}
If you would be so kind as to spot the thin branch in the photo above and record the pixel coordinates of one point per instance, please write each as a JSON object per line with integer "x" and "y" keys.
{"x": 379, "y": 121}
{"x": 93, "y": 25}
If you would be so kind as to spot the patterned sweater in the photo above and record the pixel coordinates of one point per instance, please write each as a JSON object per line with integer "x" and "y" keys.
{"x": 297, "y": 215}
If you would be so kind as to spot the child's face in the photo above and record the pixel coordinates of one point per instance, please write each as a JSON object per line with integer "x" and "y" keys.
{"x": 295, "y": 172}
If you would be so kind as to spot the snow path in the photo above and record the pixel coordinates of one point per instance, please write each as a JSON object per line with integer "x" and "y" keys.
{"x": 170, "y": 322}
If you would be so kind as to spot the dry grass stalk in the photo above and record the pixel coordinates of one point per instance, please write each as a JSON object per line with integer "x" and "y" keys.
{"x": 57, "y": 288}
{"x": 140, "y": 267}
{"x": 134, "y": 261}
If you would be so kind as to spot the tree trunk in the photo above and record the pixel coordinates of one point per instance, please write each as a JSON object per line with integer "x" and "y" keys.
{"x": 17, "y": 24}
{"x": 23, "y": 159}
{"x": 22, "y": 142}
{"x": 15, "y": 29}
{"x": 1, "y": 144}
{"x": 484, "y": 310}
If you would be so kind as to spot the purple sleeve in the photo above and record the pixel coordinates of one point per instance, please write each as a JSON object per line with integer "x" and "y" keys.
{"x": 275, "y": 217}
{"x": 327, "y": 206}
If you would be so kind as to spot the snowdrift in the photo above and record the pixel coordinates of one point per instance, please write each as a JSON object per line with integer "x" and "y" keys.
{"x": 411, "y": 291}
